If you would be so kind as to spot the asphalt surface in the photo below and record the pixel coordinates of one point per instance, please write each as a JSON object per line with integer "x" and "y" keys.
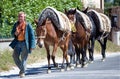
{"x": 109, "y": 69}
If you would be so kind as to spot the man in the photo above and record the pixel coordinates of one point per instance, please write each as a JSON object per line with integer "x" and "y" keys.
{"x": 23, "y": 43}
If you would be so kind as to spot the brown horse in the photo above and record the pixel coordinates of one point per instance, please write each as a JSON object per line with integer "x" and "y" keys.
{"x": 79, "y": 38}
{"x": 49, "y": 35}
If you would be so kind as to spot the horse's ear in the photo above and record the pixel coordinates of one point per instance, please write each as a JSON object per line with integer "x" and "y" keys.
{"x": 78, "y": 8}
{"x": 36, "y": 21}
{"x": 74, "y": 10}
{"x": 85, "y": 11}
{"x": 65, "y": 11}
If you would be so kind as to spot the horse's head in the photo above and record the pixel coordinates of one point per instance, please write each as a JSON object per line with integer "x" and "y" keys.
{"x": 41, "y": 33}
{"x": 70, "y": 14}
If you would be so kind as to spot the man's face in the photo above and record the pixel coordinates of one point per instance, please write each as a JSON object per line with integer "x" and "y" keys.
{"x": 21, "y": 18}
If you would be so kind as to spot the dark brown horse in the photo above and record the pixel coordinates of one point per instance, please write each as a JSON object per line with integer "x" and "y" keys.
{"x": 79, "y": 38}
{"x": 48, "y": 35}
{"x": 100, "y": 31}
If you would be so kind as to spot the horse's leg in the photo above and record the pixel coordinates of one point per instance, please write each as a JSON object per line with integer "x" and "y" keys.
{"x": 73, "y": 55}
{"x": 65, "y": 57}
{"x": 84, "y": 60}
{"x": 91, "y": 49}
{"x": 78, "y": 61}
{"x": 71, "y": 52}
{"x": 103, "y": 47}
{"x": 48, "y": 57}
{"x": 62, "y": 66}
{"x": 53, "y": 55}
{"x": 71, "y": 61}
{"x": 84, "y": 57}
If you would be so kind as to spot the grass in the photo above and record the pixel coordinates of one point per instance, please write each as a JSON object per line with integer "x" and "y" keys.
{"x": 111, "y": 47}
{"x": 37, "y": 55}
{"x": 6, "y": 60}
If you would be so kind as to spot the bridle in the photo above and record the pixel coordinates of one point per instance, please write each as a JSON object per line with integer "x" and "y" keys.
{"x": 46, "y": 23}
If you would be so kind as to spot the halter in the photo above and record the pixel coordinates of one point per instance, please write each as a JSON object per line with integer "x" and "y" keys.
{"x": 47, "y": 22}
{"x": 41, "y": 37}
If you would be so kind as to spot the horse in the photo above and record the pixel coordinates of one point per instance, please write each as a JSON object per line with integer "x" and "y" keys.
{"x": 101, "y": 31}
{"x": 101, "y": 28}
{"x": 80, "y": 37}
{"x": 53, "y": 29}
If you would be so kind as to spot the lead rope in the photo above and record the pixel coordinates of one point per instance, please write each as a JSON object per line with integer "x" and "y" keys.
{"x": 102, "y": 37}
{"x": 63, "y": 37}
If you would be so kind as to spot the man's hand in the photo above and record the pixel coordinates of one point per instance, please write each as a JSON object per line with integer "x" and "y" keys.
{"x": 31, "y": 49}
{"x": 16, "y": 33}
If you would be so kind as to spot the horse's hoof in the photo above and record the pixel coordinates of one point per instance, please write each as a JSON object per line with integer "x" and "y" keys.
{"x": 62, "y": 70}
{"x": 85, "y": 65}
{"x": 68, "y": 68}
{"x": 72, "y": 66}
{"x": 57, "y": 65}
{"x": 78, "y": 65}
{"x": 90, "y": 62}
{"x": 103, "y": 59}
{"x": 48, "y": 71}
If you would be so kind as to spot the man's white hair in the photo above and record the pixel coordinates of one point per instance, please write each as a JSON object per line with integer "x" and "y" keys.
{"x": 21, "y": 12}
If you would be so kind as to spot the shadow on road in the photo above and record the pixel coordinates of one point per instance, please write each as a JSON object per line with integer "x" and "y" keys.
{"x": 33, "y": 71}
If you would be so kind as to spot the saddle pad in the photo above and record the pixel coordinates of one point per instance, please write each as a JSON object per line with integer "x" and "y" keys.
{"x": 87, "y": 23}
{"x": 63, "y": 20}
{"x": 59, "y": 19}
{"x": 65, "y": 23}
{"x": 96, "y": 18}
{"x": 106, "y": 22}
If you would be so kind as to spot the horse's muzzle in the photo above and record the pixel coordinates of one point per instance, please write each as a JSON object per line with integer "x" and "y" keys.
{"x": 40, "y": 44}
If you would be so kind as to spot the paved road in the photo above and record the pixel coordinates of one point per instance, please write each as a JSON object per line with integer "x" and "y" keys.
{"x": 109, "y": 69}
{"x": 4, "y": 45}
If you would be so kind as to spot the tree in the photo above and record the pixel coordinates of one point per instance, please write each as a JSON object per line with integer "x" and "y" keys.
{"x": 109, "y": 5}
{"x": 10, "y": 9}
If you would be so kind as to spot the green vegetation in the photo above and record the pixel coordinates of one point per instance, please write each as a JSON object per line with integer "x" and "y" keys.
{"x": 110, "y": 5}
{"x": 10, "y": 9}
{"x": 6, "y": 60}
{"x": 109, "y": 48}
